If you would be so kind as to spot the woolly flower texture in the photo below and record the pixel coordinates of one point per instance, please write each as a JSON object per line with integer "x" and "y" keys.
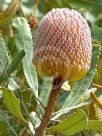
{"x": 63, "y": 45}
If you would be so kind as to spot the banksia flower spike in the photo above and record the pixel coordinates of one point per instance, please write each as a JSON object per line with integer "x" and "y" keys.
{"x": 62, "y": 50}
{"x": 63, "y": 45}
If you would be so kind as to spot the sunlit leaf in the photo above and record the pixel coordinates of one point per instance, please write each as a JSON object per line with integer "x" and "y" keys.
{"x": 75, "y": 123}
{"x": 94, "y": 124}
{"x": 4, "y": 58}
{"x": 12, "y": 103}
{"x": 23, "y": 40}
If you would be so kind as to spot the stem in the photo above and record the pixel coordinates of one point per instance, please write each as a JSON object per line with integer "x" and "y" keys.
{"x": 23, "y": 132}
{"x": 99, "y": 87}
{"x": 57, "y": 83}
{"x": 96, "y": 100}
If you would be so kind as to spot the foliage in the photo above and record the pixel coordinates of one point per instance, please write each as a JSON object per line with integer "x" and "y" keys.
{"x": 75, "y": 123}
{"x": 23, "y": 94}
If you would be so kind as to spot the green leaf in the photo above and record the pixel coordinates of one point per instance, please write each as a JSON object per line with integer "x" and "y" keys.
{"x": 15, "y": 63}
{"x": 12, "y": 103}
{"x": 5, "y": 126}
{"x": 23, "y": 40}
{"x": 94, "y": 124}
{"x": 87, "y": 5}
{"x": 12, "y": 85}
{"x": 79, "y": 105}
{"x": 4, "y": 58}
{"x": 97, "y": 33}
{"x": 75, "y": 123}
{"x": 80, "y": 87}
{"x": 45, "y": 89}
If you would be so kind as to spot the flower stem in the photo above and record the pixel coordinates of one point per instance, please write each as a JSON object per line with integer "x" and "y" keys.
{"x": 57, "y": 83}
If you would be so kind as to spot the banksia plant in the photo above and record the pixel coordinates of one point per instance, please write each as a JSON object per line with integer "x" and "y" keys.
{"x": 62, "y": 50}
{"x": 63, "y": 45}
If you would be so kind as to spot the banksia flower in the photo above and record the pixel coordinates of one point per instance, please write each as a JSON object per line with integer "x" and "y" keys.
{"x": 63, "y": 45}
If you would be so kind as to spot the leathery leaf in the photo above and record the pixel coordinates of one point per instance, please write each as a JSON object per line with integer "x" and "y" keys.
{"x": 75, "y": 123}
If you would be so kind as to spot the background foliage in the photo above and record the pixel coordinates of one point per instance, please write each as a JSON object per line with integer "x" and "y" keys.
{"x": 23, "y": 94}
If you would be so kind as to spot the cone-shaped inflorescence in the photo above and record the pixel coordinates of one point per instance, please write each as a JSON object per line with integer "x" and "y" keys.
{"x": 63, "y": 45}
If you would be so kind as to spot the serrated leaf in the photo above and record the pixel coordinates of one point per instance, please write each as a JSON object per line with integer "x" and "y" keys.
{"x": 75, "y": 123}
{"x": 23, "y": 40}
{"x": 4, "y": 58}
{"x": 6, "y": 15}
{"x": 79, "y": 105}
{"x": 94, "y": 124}
{"x": 12, "y": 103}
{"x": 80, "y": 87}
